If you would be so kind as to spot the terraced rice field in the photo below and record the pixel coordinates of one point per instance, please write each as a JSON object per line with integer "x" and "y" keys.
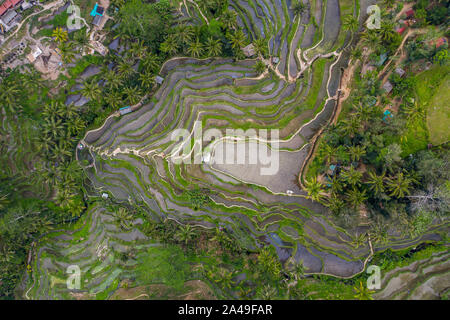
{"x": 131, "y": 155}
{"x": 423, "y": 279}
{"x": 94, "y": 244}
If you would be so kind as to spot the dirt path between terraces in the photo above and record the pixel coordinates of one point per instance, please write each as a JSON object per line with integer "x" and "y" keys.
{"x": 344, "y": 88}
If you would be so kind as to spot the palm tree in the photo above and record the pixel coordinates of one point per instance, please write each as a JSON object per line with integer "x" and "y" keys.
{"x": 81, "y": 38}
{"x": 359, "y": 240}
{"x": 45, "y": 143}
{"x": 352, "y": 176}
{"x": 67, "y": 51}
{"x": 214, "y": 47}
{"x": 298, "y": 7}
{"x": 123, "y": 218}
{"x": 53, "y": 127}
{"x": 314, "y": 189}
{"x": 8, "y": 95}
{"x": 259, "y": 67}
{"x": 60, "y": 35}
{"x": 76, "y": 125}
{"x": 170, "y": 45}
{"x": 53, "y": 109}
{"x": 267, "y": 292}
{"x": 356, "y": 53}
{"x": 237, "y": 39}
{"x": 376, "y": 182}
{"x": 244, "y": 292}
{"x": 3, "y": 201}
{"x": 114, "y": 99}
{"x": 350, "y": 23}
{"x": 133, "y": 95}
{"x": 356, "y": 152}
{"x": 151, "y": 62}
{"x": 362, "y": 292}
{"x": 260, "y": 47}
{"x": 351, "y": 126}
{"x": 195, "y": 48}
{"x": 225, "y": 278}
{"x": 299, "y": 270}
{"x": 334, "y": 203}
{"x": 356, "y": 197}
{"x": 113, "y": 80}
{"x": 138, "y": 50}
{"x": 328, "y": 152}
{"x": 414, "y": 111}
{"x": 147, "y": 80}
{"x": 69, "y": 111}
{"x": 91, "y": 90}
{"x": 61, "y": 150}
{"x": 228, "y": 19}
{"x": 400, "y": 185}
{"x": 117, "y": 3}
{"x": 389, "y": 3}
{"x": 184, "y": 34}
{"x": 362, "y": 112}
{"x": 125, "y": 68}
{"x": 336, "y": 184}
{"x": 30, "y": 81}
{"x": 185, "y": 234}
{"x": 371, "y": 39}
{"x": 387, "y": 31}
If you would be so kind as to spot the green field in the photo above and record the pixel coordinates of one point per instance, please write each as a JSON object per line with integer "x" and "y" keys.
{"x": 432, "y": 90}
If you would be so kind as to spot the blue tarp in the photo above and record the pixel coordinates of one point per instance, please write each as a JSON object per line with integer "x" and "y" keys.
{"x": 95, "y": 11}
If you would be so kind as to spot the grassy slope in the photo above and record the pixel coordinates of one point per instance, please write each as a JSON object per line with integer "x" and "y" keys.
{"x": 433, "y": 92}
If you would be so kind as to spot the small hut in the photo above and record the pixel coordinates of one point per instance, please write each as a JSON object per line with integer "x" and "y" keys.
{"x": 159, "y": 79}
{"x": 400, "y": 72}
{"x": 125, "y": 110}
{"x": 249, "y": 50}
{"x": 388, "y": 86}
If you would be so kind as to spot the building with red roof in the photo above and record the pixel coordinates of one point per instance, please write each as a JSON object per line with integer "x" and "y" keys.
{"x": 409, "y": 13}
{"x": 8, "y": 4}
{"x": 2, "y": 9}
{"x": 401, "y": 30}
{"x": 441, "y": 41}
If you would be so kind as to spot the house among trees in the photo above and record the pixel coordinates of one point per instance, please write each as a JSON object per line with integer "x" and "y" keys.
{"x": 8, "y": 4}
{"x": 440, "y": 42}
{"x": 332, "y": 170}
{"x": 409, "y": 14}
{"x": 249, "y": 50}
{"x": 275, "y": 60}
{"x": 159, "y": 79}
{"x": 400, "y": 72}
{"x": 125, "y": 110}
{"x": 381, "y": 59}
{"x": 388, "y": 86}
{"x": 8, "y": 16}
{"x": 97, "y": 13}
{"x": 34, "y": 55}
{"x": 26, "y": 5}
{"x": 99, "y": 47}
